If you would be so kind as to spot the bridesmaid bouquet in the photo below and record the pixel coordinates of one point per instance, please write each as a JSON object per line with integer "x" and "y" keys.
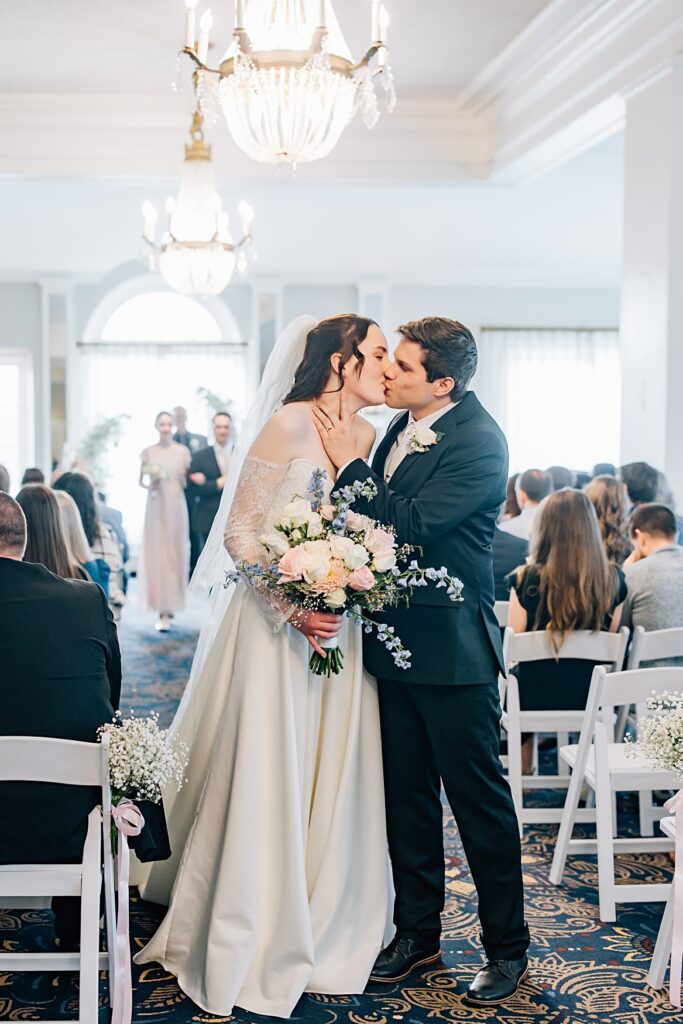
{"x": 326, "y": 557}
{"x": 153, "y": 473}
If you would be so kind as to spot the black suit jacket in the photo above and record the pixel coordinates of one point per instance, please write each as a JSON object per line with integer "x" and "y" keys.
{"x": 446, "y": 500}
{"x": 60, "y": 675}
{"x": 207, "y": 497}
{"x": 508, "y": 553}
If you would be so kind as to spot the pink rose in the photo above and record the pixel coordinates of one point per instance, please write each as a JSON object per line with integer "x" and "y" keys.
{"x": 291, "y": 565}
{"x": 361, "y": 579}
{"x": 377, "y": 539}
{"x": 327, "y": 512}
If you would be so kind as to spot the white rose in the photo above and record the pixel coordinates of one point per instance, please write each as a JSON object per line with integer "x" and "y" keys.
{"x": 353, "y": 555}
{"x": 384, "y": 560}
{"x": 336, "y": 598}
{"x": 296, "y": 513}
{"x": 357, "y": 523}
{"x": 276, "y": 542}
{"x": 424, "y": 436}
{"x": 315, "y": 525}
{"x": 317, "y": 557}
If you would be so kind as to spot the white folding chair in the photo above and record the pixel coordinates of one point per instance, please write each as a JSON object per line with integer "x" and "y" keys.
{"x": 647, "y": 647}
{"x": 607, "y": 648}
{"x": 607, "y": 768}
{"x": 662, "y": 950}
{"x": 71, "y": 763}
{"x": 502, "y": 610}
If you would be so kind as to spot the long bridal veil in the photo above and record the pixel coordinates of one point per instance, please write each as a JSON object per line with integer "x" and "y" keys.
{"x": 214, "y": 562}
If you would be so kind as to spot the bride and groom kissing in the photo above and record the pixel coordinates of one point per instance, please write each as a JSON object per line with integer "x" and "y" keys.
{"x": 308, "y": 841}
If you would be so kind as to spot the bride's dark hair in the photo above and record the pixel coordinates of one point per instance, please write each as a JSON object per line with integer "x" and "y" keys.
{"x": 344, "y": 334}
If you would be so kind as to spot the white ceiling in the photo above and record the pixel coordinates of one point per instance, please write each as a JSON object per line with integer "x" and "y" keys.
{"x": 129, "y": 46}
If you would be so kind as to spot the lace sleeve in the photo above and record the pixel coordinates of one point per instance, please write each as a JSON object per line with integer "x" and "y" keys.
{"x": 256, "y": 490}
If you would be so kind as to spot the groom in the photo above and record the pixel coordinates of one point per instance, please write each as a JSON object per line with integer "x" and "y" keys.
{"x": 440, "y": 474}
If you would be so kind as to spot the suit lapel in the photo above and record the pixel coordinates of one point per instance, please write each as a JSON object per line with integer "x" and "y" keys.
{"x": 386, "y": 444}
{"x": 446, "y": 425}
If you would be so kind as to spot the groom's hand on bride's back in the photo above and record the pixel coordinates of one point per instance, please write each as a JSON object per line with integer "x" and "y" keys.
{"x": 318, "y": 626}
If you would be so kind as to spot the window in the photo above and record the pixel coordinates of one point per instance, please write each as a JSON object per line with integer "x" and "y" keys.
{"x": 16, "y": 413}
{"x": 555, "y": 393}
{"x": 156, "y": 351}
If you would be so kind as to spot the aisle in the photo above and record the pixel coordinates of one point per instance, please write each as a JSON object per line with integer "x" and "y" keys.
{"x": 582, "y": 972}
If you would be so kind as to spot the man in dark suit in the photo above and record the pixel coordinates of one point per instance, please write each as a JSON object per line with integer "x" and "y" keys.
{"x": 60, "y": 675}
{"x": 207, "y": 476}
{"x": 508, "y": 552}
{"x": 194, "y": 442}
{"x": 440, "y": 474}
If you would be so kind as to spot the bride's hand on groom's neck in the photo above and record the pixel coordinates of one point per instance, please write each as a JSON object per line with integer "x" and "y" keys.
{"x": 337, "y": 430}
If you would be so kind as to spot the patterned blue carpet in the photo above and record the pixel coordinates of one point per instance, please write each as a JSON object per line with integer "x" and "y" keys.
{"x": 583, "y": 972}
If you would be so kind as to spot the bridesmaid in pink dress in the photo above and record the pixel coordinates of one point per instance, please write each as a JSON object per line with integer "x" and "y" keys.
{"x": 164, "y": 558}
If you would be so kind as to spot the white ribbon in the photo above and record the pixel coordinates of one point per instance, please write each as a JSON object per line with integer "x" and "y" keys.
{"x": 129, "y": 821}
{"x": 675, "y": 806}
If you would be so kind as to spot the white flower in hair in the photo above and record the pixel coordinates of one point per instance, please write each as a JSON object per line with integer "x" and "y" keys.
{"x": 420, "y": 437}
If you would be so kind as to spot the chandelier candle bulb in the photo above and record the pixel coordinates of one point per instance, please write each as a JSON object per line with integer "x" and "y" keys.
{"x": 205, "y": 24}
{"x": 383, "y": 24}
{"x": 322, "y": 16}
{"x": 239, "y": 15}
{"x": 190, "y": 18}
{"x": 376, "y": 4}
{"x": 150, "y": 215}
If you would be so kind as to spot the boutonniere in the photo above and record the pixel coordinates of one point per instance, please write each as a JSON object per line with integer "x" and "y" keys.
{"x": 194, "y": 443}
{"x": 420, "y": 438}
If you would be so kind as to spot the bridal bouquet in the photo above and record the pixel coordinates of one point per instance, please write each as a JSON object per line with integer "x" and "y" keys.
{"x": 660, "y": 734}
{"x": 326, "y": 557}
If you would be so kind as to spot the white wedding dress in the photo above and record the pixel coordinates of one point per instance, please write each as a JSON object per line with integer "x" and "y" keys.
{"x": 283, "y": 886}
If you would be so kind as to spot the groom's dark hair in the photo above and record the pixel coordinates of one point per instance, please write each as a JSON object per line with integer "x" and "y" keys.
{"x": 448, "y": 350}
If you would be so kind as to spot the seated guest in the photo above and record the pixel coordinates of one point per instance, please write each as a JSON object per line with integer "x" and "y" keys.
{"x": 61, "y": 677}
{"x": 665, "y": 497}
{"x": 561, "y": 477}
{"x": 511, "y": 507}
{"x": 641, "y": 480}
{"x": 568, "y": 585}
{"x": 608, "y": 497}
{"x": 33, "y": 476}
{"x": 114, "y": 519}
{"x": 581, "y": 478}
{"x": 77, "y": 545}
{"x": 654, "y": 572}
{"x": 4, "y": 480}
{"x": 509, "y": 552}
{"x": 531, "y": 488}
{"x": 46, "y": 543}
{"x": 604, "y": 469}
{"x": 207, "y": 474}
{"x": 102, "y": 541}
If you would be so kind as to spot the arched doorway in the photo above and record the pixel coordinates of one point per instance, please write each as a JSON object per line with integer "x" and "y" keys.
{"x": 147, "y": 349}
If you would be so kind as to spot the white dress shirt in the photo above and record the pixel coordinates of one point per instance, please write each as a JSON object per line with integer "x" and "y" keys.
{"x": 520, "y": 526}
{"x": 223, "y": 453}
{"x": 401, "y": 446}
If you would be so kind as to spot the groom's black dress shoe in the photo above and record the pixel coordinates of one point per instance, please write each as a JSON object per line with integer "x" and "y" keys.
{"x": 496, "y": 982}
{"x": 401, "y": 957}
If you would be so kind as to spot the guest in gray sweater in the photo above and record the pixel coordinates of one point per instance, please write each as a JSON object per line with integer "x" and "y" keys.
{"x": 654, "y": 572}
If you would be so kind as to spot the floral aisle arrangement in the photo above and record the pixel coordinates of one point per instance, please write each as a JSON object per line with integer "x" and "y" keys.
{"x": 660, "y": 734}
{"x": 143, "y": 760}
{"x": 326, "y": 557}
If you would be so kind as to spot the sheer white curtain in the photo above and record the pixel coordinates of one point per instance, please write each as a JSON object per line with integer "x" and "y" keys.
{"x": 140, "y": 379}
{"x": 555, "y": 393}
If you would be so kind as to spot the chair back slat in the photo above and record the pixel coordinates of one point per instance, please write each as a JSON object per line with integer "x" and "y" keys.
{"x": 635, "y": 686}
{"x": 607, "y": 648}
{"x": 655, "y": 644}
{"x": 45, "y": 759}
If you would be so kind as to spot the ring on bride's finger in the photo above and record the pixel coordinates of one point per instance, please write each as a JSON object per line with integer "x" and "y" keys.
{"x": 328, "y": 429}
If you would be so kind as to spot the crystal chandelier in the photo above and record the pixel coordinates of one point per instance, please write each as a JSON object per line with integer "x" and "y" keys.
{"x": 288, "y": 85}
{"x": 197, "y": 254}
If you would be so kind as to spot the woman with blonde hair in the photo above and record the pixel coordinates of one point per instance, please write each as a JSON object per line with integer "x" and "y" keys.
{"x": 86, "y": 566}
{"x": 609, "y": 501}
{"x": 568, "y": 584}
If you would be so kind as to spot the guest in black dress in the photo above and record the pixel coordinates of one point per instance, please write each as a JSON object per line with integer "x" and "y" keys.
{"x": 568, "y": 585}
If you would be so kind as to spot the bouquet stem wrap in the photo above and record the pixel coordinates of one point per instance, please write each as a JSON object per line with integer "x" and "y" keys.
{"x": 330, "y": 665}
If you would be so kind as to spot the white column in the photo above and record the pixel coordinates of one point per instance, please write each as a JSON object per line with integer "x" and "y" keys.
{"x": 652, "y": 282}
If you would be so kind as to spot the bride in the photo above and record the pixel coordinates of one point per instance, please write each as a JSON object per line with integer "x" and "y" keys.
{"x": 283, "y": 883}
